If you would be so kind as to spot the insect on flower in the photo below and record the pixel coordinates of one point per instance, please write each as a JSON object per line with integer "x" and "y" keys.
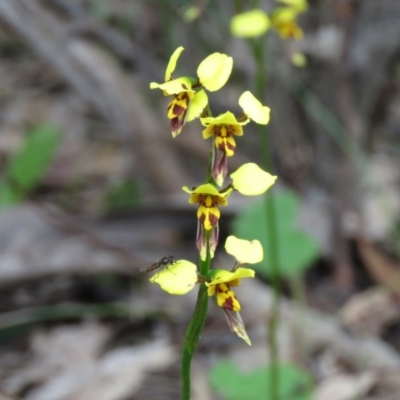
{"x": 159, "y": 265}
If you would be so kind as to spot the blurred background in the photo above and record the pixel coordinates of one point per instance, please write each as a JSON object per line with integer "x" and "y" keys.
{"x": 90, "y": 191}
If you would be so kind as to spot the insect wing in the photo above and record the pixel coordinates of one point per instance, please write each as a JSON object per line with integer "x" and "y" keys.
{"x": 152, "y": 267}
{"x": 160, "y": 264}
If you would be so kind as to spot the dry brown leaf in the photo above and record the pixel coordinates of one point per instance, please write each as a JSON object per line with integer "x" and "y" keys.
{"x": 117, "y": 375}
{"x": 345, "y": 387}
{"x": 384, "y": 270}
{"x": 370, "y": 312}
{"x": 60, "y": 349}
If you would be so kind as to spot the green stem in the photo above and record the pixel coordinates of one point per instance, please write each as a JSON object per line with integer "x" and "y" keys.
{"x": 273, "y": 245}
{"x": 273, "y": 252}
{"x": 196, "y": 325}
{"x": 238, "y": 6}
{"x": 192, "y": 337}
{"x": 298, "y": 290}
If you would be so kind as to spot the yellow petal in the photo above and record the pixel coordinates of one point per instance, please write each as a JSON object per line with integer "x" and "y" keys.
{"x": 254, "y": 109}
{"x": 223, "y": 276}
{"x": 289, "y": 30}
{"x": 226, "y": 298}
{"x": 178, "y": 278}
{"x": 235, "y": 282}
{"x": 208, "y": 132}
{"x": 251, "y": 180}
{"x": 299, "y": 5}
{"x": 223, "y": 119}
{"x": 209, "y": 216}
{"x": 230, "y": 147}
{"x": 172, "y": 63}
{"x": 284, "y": 15}
{"x": 237, "y": 130}
{"x": 207, "y": 188}
{"x": 250, "y": 24}
{"x": 211, "y": 290}
{"x": 194, "y": 198}
{"x": 175, "y": 86}
{"x": 244, "y": 251}
{"x": 192, "y": 13}
{"x": 298, "y": 59}
{"x": 197, "y": 105}
{"x": 214, "y": 71}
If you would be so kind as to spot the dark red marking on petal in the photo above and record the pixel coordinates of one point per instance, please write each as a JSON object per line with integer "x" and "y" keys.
{"x": 213, "y": 219}
{"x": 221, "y": 146}
{"x": 228, "y": 303}
{"x": 175, "y": 124}
{"x": 223, "y": 162}
{"x": 202, "y": 218}
{"x": 177, "y": 110}
{"x": 231, "y": 146}
{"x": 220, "y": 289}
{"x": 214, "y": 237}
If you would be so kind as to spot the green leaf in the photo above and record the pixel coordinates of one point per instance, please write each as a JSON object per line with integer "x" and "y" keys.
{"x": 300, "y": 251}
{"x": 297, "y": 249}
{"x": 8, "y": 195}
{"x": 123, "y": 197}
{"x": 28, "y": 166}
{"x": 294, "y": 383}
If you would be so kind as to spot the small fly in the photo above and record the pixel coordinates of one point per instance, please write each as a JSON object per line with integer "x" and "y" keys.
{"x": 159, "y": 265}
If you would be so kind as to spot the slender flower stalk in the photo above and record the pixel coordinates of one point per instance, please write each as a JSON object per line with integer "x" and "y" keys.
{"x": 271, "y": 223}
{"x": 196, "y": 325}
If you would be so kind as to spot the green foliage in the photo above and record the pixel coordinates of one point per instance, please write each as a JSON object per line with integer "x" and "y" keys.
{"x": 296, "y": 248}
{"x": 125, "y": 196}
{"x": 100, "y": 9}
{"x": 8, "y": 195}
{"x": 294, "y": 383}
{"x": 25, "y": 169}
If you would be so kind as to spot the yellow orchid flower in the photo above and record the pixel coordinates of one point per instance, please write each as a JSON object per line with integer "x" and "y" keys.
{"x": 249, "y": 180}
{"x": 256, "y": 22}
{"x": 220, "y": 286}
{"x": 221, "y": 283}
{"x": 284, "y": 21}
{"x": 189, "y": 98}
{"x": 181, "y": 276}
{"x": 225, "y": 126}
{"x": 209, "y": 199}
